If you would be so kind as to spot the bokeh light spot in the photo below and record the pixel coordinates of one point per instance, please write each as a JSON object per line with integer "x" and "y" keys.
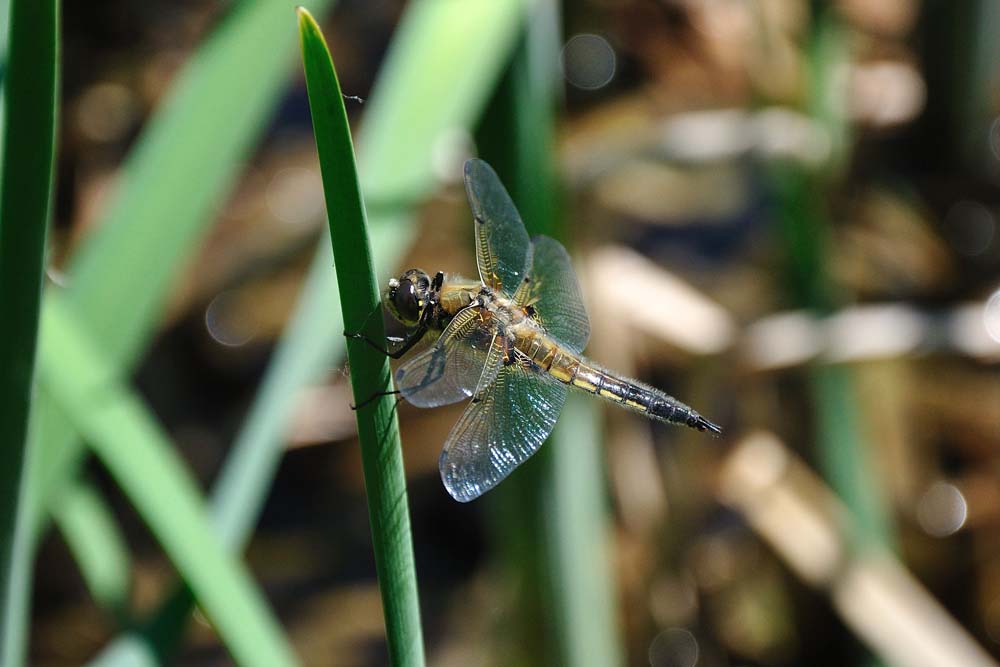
{"x": 942, "y": 510}
{"x": 674, "y": 647}
{"x": 995, "y": 137}
{"x": 228, "y": 321}
{"x": 887, "y": 93}
{"x": 991, "y": 316}
{"x": 588, "y": 61}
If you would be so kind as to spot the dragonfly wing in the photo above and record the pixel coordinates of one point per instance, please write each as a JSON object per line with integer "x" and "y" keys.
{"x": 502, "y": 244}
{"x": 467, "y": 353}
{"x": 555, "y": 295}
{"x": 504, "y": 425}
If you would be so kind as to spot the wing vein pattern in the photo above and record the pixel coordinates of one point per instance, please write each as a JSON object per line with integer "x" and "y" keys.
{"x": 552, "y": 290}
{"x": 460, "y": 361}
{"x": 504, "y": 425}
{"x": 502, "y": 243}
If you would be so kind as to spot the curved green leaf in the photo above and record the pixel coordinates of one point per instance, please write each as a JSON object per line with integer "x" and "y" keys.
{"x": 371, "y": 377}
{"x": 29, "y": 116}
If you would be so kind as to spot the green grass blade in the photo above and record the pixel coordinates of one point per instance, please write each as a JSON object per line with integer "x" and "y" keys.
{"x": 25, "y": 193}
{"x": 181, "y": 169}
{"x": 92, "y": 534}
{"x": 444, "y": 63}
{"x": 580, "y": 565}
{"x": 426, "y": 52}
{"x": 805, "y": 227}
{"x": 132, "y": 446}
{"x": 85, "y": 521}
{"x": 378, "y": 430}
{"x": 4, "y": 37}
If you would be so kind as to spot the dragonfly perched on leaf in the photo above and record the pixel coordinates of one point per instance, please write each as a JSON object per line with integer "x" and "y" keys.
{"x": 511, "y": 341}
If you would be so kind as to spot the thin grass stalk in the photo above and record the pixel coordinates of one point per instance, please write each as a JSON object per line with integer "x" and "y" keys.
{"x": 100, "y": 553}
{"x": 804, "y": 225}
{"x": 29, "y": 118}
{"x": 516, "y": 118}
{"x": 581, "y": 575}
{"x": 581, "y": 563}
{"x": 378, "y": 428}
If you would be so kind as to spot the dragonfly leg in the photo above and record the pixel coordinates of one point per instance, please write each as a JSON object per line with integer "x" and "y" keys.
{"x": 377, "y": 395}
{"x": 404, "y": 344}
{"x": 357, "y": 335}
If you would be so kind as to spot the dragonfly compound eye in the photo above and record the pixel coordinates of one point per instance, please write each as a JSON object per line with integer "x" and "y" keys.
{"x": 402, "y": 300}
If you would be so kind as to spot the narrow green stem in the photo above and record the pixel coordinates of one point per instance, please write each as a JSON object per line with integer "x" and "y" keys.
{"x": 378, "y": 430}
{"x": 804, "y": 225}
{"x": 25, "y": 193}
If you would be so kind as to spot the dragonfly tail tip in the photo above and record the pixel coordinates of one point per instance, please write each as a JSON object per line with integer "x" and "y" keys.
{"x": 703, "y": 424}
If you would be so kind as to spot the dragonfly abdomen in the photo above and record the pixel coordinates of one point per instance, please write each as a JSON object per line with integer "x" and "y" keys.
{"x": 578, "y": 371}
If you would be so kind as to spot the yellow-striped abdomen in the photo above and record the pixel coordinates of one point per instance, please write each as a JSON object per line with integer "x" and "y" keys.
{"x": 577, "y": 371}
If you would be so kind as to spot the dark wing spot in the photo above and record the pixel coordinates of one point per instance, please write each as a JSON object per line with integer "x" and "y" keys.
{"x": 530, "y": 311}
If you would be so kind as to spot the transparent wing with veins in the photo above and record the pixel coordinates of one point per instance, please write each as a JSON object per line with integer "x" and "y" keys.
{"x": 551, "y": 289}
{"x": 502, "y": 244}
{"x": 466, "y": 354}
{"x": 514, "y": 404}
{"x": 505, "y": 424}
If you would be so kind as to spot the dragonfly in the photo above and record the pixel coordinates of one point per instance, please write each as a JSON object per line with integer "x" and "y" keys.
{"x": 511, "y": 341}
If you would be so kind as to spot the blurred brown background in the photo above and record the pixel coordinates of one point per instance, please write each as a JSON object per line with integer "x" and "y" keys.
{"x": 813, "y": 266}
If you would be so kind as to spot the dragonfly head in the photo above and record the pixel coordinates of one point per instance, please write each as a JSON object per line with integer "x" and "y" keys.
{"x": 406, "y": 296}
